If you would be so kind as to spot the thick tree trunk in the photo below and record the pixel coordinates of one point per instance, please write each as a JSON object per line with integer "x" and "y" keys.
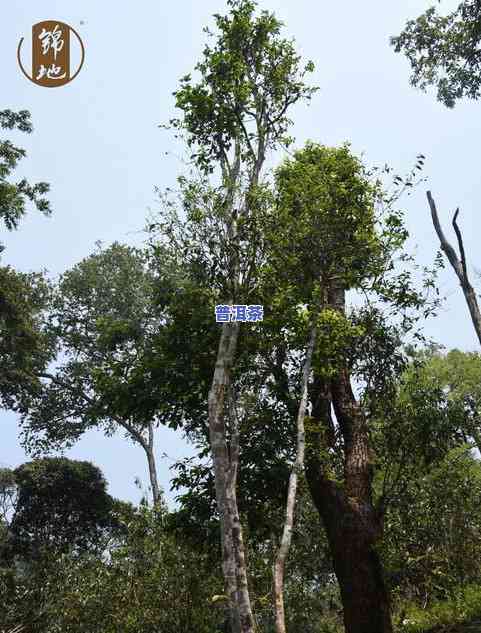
{"x": 353, "y": 532}
{"x": 285, "y": 544}
{"x": 353, "y": 526}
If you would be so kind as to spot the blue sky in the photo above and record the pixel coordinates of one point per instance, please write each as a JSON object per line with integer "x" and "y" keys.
{"x": 104, "y": 125}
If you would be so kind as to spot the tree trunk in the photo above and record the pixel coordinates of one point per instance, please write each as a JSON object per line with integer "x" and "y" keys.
{"x": 225, "y": 474}
{"x": 353, "y": 526}
{"x": 148, "y": 445}
{"x": 229, "y": 569}
{"x": 246, "y": 618}
{"x": 352, "y": 532}
{"x": 283, "y": 551}
{"x": 154, "y": 482}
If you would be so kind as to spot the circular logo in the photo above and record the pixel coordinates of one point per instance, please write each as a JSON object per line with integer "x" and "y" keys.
{"x": 57, "y": 52}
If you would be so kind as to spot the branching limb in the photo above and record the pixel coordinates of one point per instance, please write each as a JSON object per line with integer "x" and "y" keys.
{"x": 458, "y": 265}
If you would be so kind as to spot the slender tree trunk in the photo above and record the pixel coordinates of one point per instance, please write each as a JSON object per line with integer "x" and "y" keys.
{"x": 154, "y": 482}
{"x": 226, "y": 461}
{"x": 246, "y": 619}
{"x": 229, "y": 569}
{"x": 148, "y": 445}
{"x": 225, "y": 474}
{"x": 285, "y": 544}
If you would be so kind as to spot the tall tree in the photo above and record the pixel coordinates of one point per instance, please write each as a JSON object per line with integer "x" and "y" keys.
{"x": 329, "y": 228}
{"x": 61, "y": 514}
{"x": 232, "y": 117}
{"x": 340, "y": 233}
{"x": 444, "y": 52}
{"x": 107, "y": 323}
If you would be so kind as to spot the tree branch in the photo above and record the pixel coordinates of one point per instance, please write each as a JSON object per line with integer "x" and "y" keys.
{"x": 445, "y": 245}
{"x": 460, "y": 244}
{"x": 136, "y": 435}
{"x": 459, "y": 266}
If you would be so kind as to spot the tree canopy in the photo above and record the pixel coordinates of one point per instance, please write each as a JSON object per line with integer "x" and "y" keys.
{"x": 443, "y": 51}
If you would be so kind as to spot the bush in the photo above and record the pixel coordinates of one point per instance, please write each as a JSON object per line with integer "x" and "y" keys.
{"x": 463, "y": 607}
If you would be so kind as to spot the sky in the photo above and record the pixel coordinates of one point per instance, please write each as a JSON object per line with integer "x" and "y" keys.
{"x": 98, "y": 143}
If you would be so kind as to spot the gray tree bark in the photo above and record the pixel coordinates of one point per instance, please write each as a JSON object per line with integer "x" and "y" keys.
{"x": 154, "y": 482}
{"x": 225, "y": 464}
{"x": 459, "y": 265}
{"x": 298, "y": 466}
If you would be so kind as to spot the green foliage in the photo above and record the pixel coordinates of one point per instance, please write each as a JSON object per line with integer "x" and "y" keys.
{"x": 336, "y": 228}
{"x": 248, "y": 80}
{"x": 7, "y": 492}
{"x": 464, "y": 607}
{"x": 13, "y": 196}
{"x": 335, "y": 217}
{"x": 233, "y": 113}
{"x": 301, "y": 228}
{"x": 57, "y": 514}
{"x": 428, "y": 480}
{"x": 25, "y": 349}
{"x": 136, "y": 340}
{"x": 432, "y": 529}
{"x": 459, "y": 373}
{"x": 108, "y": 318}
{"x": 443, "y": 51}
{"x": 436, "y": 408}
{"x": 325, "y": 210}
{"x": 61, "y": 505}
{"x": 311, "y": 593}
{"x": 148, "y": 580}
{"x": 336, "y": 336}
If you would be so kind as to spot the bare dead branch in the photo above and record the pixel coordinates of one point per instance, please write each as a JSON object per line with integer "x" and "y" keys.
{"x": 460, "y": 243}
{"x": 459, "y": 266}
{"x": 445, "y": 245}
